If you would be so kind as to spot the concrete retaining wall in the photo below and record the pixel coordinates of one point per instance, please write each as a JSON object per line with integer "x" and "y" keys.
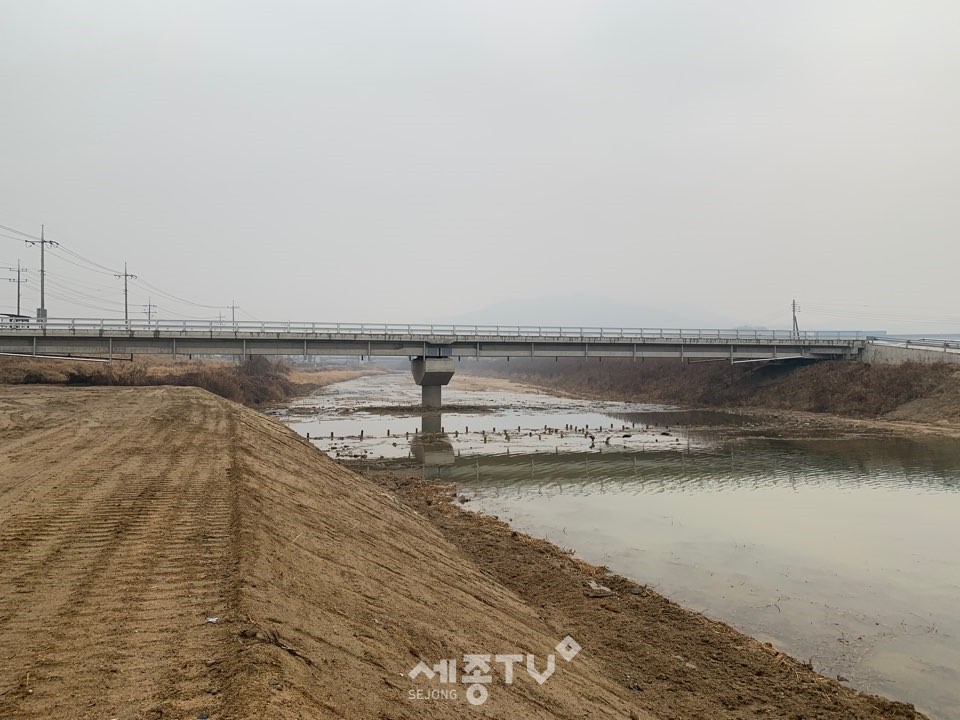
{"x": 895, "y": 355}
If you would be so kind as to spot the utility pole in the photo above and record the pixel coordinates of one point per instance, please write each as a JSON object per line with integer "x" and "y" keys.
{"x": 233, "y": 307}
{"x": 42, "y": 310}
{"x": 18, "y": 281}
{"x": 126, "y": 276}
{"x": 796, "y": 327}
{"x": 148, "y": 309}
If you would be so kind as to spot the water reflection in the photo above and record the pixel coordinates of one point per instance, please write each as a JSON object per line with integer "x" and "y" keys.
{"x": 432, "y": 450}
{"x": 685, "y": 418}
{"x": 892, "y": 463}
{"x": 838, "y": 551}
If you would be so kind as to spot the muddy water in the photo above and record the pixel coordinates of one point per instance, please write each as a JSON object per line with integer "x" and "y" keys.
{"x": 842, "y": 552}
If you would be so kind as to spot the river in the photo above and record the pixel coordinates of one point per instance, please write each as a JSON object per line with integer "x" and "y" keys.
{"x": 842, "y": 551}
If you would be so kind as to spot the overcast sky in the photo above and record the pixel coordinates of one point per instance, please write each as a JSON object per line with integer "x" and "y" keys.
{"x": 630, "y": 162}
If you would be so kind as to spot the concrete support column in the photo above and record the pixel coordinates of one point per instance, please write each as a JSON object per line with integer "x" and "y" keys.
{"x": 431, "y": 423}
{"x": 431, "y": 374}
{"x": 432, "y": 396}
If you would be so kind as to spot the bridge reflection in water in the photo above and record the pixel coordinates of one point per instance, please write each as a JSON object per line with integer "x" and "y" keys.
{"x": 762, "y": 463}
{"x": 431, "y": 446}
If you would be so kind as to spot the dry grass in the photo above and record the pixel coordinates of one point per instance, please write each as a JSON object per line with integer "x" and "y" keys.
{"x": 255, "y": 381}
{"x": 842, "y": 388}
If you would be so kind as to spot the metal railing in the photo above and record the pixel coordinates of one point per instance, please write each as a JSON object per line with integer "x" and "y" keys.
{"x": 101, "y": 326}
{"x": 919, "y": 343}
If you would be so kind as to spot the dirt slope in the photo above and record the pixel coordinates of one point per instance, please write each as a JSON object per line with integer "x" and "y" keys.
{"x": 129, "y": 516}
{"x": 912, "y": 391}
{"x": 679, "y": 665}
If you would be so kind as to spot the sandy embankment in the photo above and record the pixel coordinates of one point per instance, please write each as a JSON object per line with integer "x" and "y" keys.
{"x": 130, "y": 516}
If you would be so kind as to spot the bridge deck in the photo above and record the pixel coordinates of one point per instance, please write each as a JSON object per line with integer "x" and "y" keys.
{"x": 117, "y": 337}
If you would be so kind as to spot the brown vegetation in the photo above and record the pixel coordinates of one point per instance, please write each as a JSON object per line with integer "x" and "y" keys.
{"x": 932, "y": 392}
{"x": 255, "y": 381}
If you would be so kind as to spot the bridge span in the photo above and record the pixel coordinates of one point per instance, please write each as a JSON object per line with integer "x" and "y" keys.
{"x": 431, "y": 348}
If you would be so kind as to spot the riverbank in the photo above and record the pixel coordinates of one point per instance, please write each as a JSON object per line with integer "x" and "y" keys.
{"x": 169, "y": 554}
{"x": 925, "y": 394}
{"x": 678, "y": 664}
{"x": 257, "y": 381}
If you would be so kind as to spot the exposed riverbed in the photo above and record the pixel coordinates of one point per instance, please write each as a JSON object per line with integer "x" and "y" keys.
{"x": 838, "y": 550}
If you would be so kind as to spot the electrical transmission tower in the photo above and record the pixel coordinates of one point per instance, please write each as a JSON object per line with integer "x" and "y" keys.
{"x": 126, "y": 276}
{"x": 233, "y": 312}
{"x": 796, "y": 327}
{"x": 42, "y": 310}
{"x": 19, "y": 270}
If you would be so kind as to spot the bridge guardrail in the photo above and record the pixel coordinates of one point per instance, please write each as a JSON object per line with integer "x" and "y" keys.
{"x": 216, "y": 327}
{"x": 920, "y": 343}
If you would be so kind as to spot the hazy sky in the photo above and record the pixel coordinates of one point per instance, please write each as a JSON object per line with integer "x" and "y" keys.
{"x": 631, "y": 162}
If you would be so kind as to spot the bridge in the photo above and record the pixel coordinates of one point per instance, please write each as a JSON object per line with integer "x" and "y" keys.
{"x": 431, "y": 349}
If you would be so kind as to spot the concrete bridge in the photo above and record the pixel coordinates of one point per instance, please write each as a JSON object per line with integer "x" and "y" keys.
{"x": 431, "y": 348}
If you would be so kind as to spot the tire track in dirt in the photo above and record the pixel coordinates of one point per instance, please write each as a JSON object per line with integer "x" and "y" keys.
{"x": 70, "y": 489}
{"x": 117, "y": 569}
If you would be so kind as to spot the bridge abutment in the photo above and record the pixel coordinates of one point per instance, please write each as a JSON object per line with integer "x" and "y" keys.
{"x": 431, "y": 374}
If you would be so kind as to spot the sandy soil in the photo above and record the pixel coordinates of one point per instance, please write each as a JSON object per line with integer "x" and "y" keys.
{"x": 323, "y": 377}
{"x": 130, "y": 517}
{"x": 477, "y": 383}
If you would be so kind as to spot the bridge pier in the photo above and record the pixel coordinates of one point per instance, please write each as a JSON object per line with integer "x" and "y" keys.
{"x": 431, "y": 374}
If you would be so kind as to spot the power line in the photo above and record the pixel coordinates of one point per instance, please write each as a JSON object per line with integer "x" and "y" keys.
{"x": 64, "y": 290}
{"x": 78, "y": 256}
{"x": 179, "y": 315}
{"x": 148, "y": 286}
{"x": 18, "y": 239}
{"x": 893, "y": 318}
{"x": 82, "y": 267}
{"x": 80, "y": 286}
{"x": 90, "y": 306}
{"x": 65, "y": 254}
{"x": 879, "y": 311}
{"x": 19, "y": 232}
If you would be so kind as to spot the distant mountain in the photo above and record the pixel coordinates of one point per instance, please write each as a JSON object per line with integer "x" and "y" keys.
{"x": 587, "y": 310}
